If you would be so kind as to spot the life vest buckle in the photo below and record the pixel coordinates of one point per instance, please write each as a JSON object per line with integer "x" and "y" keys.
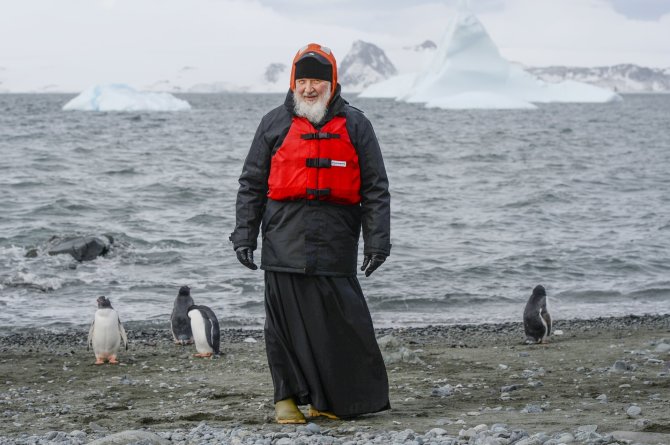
{"x": 318, "y": 192}
{"x": 309, "y": 136}
{"x": 318, "y": 162}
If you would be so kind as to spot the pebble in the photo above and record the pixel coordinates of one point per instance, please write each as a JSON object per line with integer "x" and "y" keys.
{"x": 510, "y": 388}
{"x": 443, "y": 391}
{"x": 312, "y": 434}
{"x": 622, "y": 366}
{"x": 633, "y": 411}
{"x": 532, "y": 409}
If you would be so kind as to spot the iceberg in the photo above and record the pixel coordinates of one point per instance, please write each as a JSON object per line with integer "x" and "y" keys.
{"x": 479, "y": 100}
{"x": 467, "y": 71}
{"x": 121, "y": 97}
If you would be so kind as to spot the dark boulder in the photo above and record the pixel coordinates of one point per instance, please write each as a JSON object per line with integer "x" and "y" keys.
{"x": 83, "y": 248}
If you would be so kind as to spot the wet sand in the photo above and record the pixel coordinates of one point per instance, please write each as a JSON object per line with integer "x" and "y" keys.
{"x": 449, "y": 377}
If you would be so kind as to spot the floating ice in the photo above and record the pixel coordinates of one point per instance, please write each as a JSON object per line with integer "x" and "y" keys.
{"x": 121, "y": 97}
{"x": 479, "y": 99}
{"x": 468, "y": 71}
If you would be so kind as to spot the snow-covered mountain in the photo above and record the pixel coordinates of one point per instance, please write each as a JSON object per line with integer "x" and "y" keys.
{"x": 625, "y": 78}
{"x": 364, "y": 64}
{"x": 425, "y": 45}
{"x": 274, "y": 71}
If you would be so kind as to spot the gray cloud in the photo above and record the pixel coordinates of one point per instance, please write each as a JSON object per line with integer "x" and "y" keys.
{"x": 642, "y": 9}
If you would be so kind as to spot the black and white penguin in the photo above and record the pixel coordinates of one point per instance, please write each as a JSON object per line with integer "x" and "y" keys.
{"x": 180, "y": 324}
{"x": 106, "y": 333}
{"x": 536, "y": 318}
{"x": 206, "y": 333}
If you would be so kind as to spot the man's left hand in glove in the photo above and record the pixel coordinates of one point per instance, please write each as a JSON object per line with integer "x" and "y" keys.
{"x": 371, "y": 262}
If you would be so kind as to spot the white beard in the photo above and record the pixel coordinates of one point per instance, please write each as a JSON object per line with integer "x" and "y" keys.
{"x": 312, "y": 112}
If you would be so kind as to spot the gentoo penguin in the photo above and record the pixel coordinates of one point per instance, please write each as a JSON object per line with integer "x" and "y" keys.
{"x": 180, "y": 324}
{"x": 536, "y": 318}
{"x": 206, "y": 334}
{"x": 106, "y": 333}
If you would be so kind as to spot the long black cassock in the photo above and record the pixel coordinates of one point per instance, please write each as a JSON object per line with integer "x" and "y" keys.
{"x": 321, "y": 345}
{"x": 319, "y": 335}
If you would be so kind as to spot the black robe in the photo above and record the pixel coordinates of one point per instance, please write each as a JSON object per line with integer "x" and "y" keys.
{"x": 320, "y": 341}
{"x": 321, "y": 345}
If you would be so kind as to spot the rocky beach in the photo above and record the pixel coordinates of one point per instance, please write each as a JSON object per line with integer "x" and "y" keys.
{"x": 602, "y": 381}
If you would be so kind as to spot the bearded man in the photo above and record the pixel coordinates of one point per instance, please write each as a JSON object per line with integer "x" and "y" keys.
{"x": 315, "y": 176}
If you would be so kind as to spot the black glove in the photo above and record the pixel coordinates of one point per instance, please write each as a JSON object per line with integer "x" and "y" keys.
{"x": 372, "y": 261}
{"x": 246, "y": 256}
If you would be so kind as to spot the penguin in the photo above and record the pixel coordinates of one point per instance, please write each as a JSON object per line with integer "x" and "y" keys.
{"x": 106, "y": 333}
{"x": 180, "y": 324}
{"x": 206, "y": 334}
{"x": 536, "y": 318}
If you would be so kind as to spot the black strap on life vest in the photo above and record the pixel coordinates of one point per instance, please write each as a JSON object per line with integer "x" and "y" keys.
{"x": 309, "y": 136}
{"x": 318, "y": 192}
{"x": 318, "y": 162}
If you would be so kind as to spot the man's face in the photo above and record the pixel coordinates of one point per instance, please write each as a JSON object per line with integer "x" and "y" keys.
{"x": 311, "y": 90}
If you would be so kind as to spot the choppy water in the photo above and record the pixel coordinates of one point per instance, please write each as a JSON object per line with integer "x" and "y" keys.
{"x": 486, "y": 204}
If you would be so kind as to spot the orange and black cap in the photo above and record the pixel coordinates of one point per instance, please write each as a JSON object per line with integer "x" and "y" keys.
{"x": 314, "y": 62}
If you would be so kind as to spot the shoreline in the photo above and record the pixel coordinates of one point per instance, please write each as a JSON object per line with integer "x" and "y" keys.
{"x": 454, "y": 378}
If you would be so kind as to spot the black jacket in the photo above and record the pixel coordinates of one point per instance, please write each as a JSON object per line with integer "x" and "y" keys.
{"x": 313, "y": 237}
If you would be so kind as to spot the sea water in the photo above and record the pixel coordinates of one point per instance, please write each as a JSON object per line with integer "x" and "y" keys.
{"x": 486, "y": 204}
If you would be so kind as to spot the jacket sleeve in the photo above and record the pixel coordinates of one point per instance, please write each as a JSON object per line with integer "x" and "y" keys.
{"x": 252, "y": 194}
{"x": 375, "y": 196}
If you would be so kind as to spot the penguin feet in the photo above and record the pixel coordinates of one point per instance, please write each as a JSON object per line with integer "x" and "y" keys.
{"x": 313, "y": 412}
{"x": 287, "y": 412}
{"x": 203, "y": 354}
{"x": 113, "y": 360}
{"x": 99, "y": 361}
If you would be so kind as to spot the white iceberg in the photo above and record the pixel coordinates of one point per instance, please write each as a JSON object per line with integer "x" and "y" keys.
{"x": 468, "y": 71}
{"x": 121, "y": 97}
{"x": 479, "y": 99}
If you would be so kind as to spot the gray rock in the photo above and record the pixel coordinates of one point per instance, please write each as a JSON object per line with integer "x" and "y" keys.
{"x": 436, "y": 432}
{"x": 642, "y": 423}
{"x": 529, "y": 441}
{"x": 443, "y": 391}
{"x": 313, "y": 428}
{"x": 633, "y": 411}
{"x": 131, "y": 436}
{"x": 641, "y": 438}
{"x": 565, "y": 438}
{"x": 510, "y": 388}
{"x": 532, "y": 409}
{"x": 622, "y": 366}
{"x": 97, "y": 428}
{"x": 587, "y": 428}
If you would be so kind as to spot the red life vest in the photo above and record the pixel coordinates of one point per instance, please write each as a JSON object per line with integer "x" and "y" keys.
{"x": 313, "y": 164}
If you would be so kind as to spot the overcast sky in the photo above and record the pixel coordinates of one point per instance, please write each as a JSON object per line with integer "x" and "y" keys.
{"x": 76, "y": 43}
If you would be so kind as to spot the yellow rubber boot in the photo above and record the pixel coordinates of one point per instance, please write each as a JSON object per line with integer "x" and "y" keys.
{"x": 287, "y": 412}
{"x": 313, "y": 412}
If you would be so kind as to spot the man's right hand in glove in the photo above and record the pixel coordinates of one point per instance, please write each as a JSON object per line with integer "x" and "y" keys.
{"x": 246, "y": 256}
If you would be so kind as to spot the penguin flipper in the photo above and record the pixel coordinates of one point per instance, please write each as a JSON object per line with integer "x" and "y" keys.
{"x": 124, "y": 336}
{"x": 214, "y": 338}
{"x": 89, "y": 342}
{"x": 547, "y": 320}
